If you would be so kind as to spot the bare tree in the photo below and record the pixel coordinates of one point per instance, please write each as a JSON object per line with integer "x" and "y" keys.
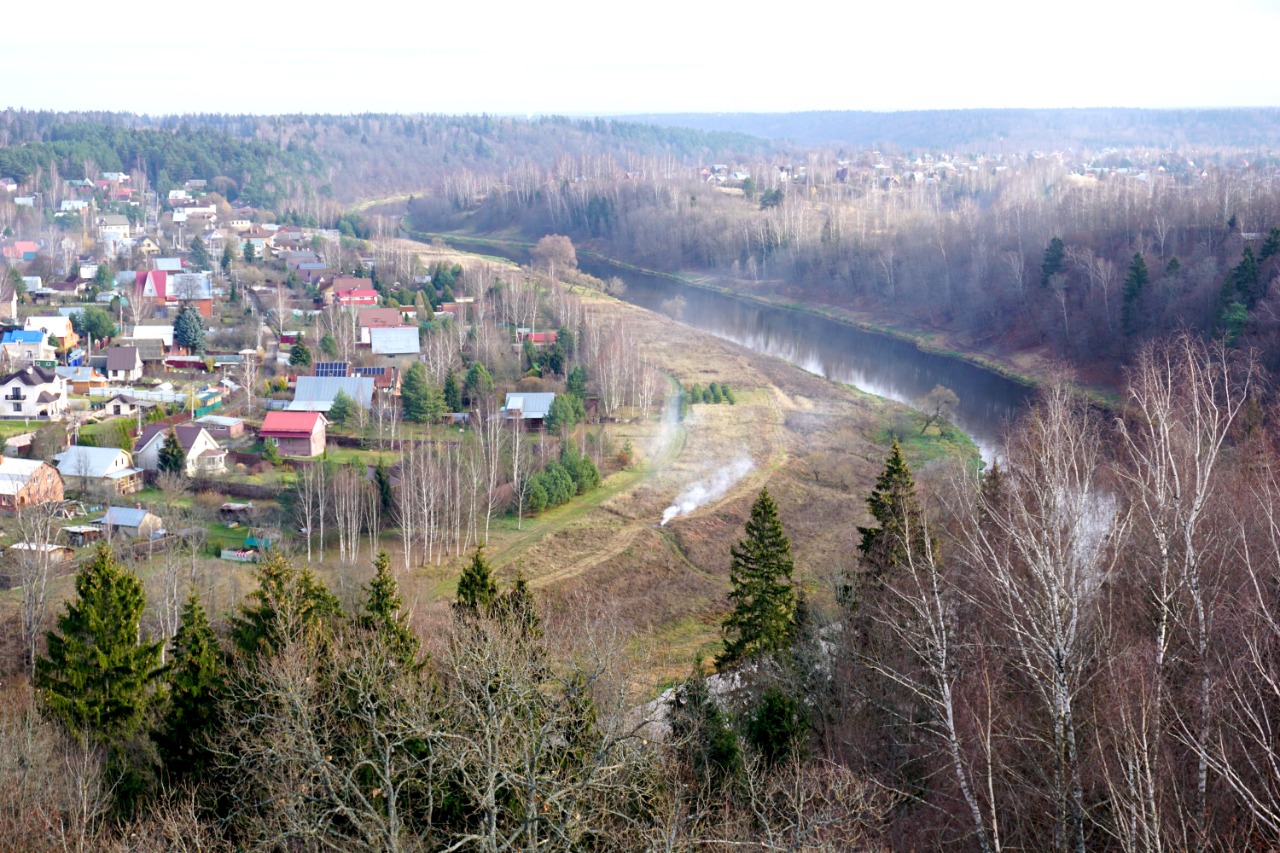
{"x": 35, "y": 519}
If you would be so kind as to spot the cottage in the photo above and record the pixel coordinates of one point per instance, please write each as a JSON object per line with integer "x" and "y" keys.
{"x": 132, "y": 522}
{"x": 376, "y": 318}
{"x": 20, "y": 347}
{"x": 33, "y": 392}
{"x": 221, "y": 427}
{"x": 58, "y": 327}
{"x": 123, "y": 405}
{"x": 27, "y": 482}
{"x": 81, "y": 379}
{"x": 203, "y": 455}
{"x": 530, "y": 409}
{"x": 295, "y": 433}
{"x": 124, "y": 364}
{"x": 31, "y": 552}
{"x": 94, "y": 470}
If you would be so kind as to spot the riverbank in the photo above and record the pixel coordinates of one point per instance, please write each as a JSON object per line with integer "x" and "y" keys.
{"x": 1027, "y": 369}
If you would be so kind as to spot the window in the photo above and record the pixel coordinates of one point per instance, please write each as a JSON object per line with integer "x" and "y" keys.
{"x": 17, "y": 407}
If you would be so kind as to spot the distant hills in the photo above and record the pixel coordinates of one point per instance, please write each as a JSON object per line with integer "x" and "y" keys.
{"x": 992, "y": 130}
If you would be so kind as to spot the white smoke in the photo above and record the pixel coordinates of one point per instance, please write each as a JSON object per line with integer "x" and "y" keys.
{"x": 708, "y": 489}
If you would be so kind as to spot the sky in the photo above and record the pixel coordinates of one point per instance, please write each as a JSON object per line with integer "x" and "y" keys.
{"x": 586, "y": 57}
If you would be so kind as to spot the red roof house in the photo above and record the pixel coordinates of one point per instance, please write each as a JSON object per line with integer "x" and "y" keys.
{"x": 295, "y": 433}
{"x": 350, "y": 298}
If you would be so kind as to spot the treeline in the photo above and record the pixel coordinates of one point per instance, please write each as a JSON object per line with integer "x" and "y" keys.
{"x": 305, "y": 724}
{"x": 249, "y": 170}
{"x": 964, "y": 250}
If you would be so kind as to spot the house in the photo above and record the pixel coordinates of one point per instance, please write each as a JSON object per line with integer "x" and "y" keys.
{"x": 356, "y": 298}
{"x": 203, "y": 455}
{"x": 113, "y": 228}
{"x": 21, "y": 250}
{"x": 376, "y": 318}
{"x": 221, "y": 427}
{"x": 385, "y": 377}
{"x": 152, "y": 286}
{"x": 131, "y": 522}
{"x": 295, "y": 433}
{"x": 343, "y": 284}
{"x": 58, "y": 327}
{"x": 123, "y": 405}
{"x": 81, "y": 378}
{"x": 397, "y": 340}
{"x": 531, "y": 409}
{"x": 150, "y": 350}
{"x": 194, "y": 288}
{"x": 27, "y": 482}
{"x": 169, "y": 265}
{"x": 147, "y": 246}
{"x": 23, "y": 348}
{"x": 20, "y": 551}
{"x": 105, "y": 470}
{"x": 124, "y": 364}
{"x": 33, "y": 392}
{"x": 316, "y": 393}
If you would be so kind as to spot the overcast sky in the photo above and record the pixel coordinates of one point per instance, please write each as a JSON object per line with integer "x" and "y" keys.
{"x": 593, "y": 57}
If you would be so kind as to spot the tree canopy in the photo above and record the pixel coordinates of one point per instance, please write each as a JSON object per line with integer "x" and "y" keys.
{"x": 763, "y": 596}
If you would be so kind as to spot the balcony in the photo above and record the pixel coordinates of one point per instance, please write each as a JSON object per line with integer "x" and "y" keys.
{"x": 15, "y": 396}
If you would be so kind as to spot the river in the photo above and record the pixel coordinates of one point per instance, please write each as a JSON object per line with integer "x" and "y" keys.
{"x": 875, "y": 363}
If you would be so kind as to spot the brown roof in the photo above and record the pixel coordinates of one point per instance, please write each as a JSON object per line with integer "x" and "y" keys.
{"x": 379, "y": 318}
{"x": 187, "y": 435}
{"x": 33, "y": 376}
{"x": 123, "y": 358}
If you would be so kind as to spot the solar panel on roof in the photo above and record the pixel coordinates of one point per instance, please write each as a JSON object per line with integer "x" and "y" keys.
{"x": 370, "y": 371}
{"x": 331, "y": 368}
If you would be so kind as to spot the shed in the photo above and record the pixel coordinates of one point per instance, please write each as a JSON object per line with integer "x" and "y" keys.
{"x": 394, "y": 340}
{"x": 134, "y": 522}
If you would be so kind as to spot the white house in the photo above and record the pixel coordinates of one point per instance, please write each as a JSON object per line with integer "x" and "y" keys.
{"x": 124, "y": 364}
{"x": 203, "y": 454}
{"x": 33, "y": 392}
{"x": 99, "y": 469}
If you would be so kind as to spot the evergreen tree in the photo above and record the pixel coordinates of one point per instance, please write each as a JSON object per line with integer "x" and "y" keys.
{"x": 342, "y": 408}
{"x": 1134, "y": 284}
{"x": 228, "y": 258}
{"x": 763, "y": 596}
{"x": 188, "y": 329}
{"x": 1054, "y": 254}
{"x": 299, "y": 355}
{"x": 452, "y": 393}
{"x": 288, "y": 601}
{"x": 576, "y": 384}
{"x": 477, "y": 590}
{"x": 199, "y": 254}
{"x": 97, "y": 676}
{"x": 479, "y": 384}
{"x": 250, "y": 253}
{"x": 329, "y": 345}
{"x": 1270, "y": 246}
{"x": 195, "y": 681}
{"x": 565, "y": 412}
{"x": 382, "y": 480}
{"x": 894, "y": 506}
{"x": 422, "y": 401}
{"x": 172, "y": 459}
{"x": 384, "y": 612}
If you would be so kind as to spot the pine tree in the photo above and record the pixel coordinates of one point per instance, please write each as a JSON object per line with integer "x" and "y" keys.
{"x": 288, "y": 602}
{"x": 1134, "y": 284}
{"x": 476, "y": 588}
{"x": 894, "y": 506}
{"x": 228, "y": 258}
{"x": 382, "y": 480}
{"x": 577, "y": 382}
{"x": 384, "y": 613}
{"x": 250, "y": 253}
{"x": 763, "y": 596}
{"x": 172, "y": 459}
{"x": 452, "y": 394}
{"x": 196, "y": 681}
{"x": 299, "y": 355}
{"x": 422, "y": 400}
{"x": 199, "y": 254}
{"x": 98, "y": 677}
{"x": 479, "y": 384}
{"x": 342, "y": 408}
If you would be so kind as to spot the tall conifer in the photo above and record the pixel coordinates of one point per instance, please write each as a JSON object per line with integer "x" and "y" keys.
{"x": 764, "y": 599}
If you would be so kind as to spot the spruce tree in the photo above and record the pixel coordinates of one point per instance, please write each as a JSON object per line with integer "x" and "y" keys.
{"x": 195, "y": 681}
{"x": 228, "y": 258}
{"x": 342, "y": 408}
{"x": 384, "y": 612}
{"x": 188, "y": 329}
{"x": 288, "y": 601}
{"x": 1054, "y": 254}
{"x": 299, "y": 355}
{"x": 415, "y": 394}
{"x": 1134, "y": 284}
{"x": 452, "y": 394}
{"x": 98, "y": 677}
{"x": 894, "y": 506}
{"x": 199, "y": 254}
{"x": 476, "y": 588}
{"x": 171, "y": 459}
{"x": 479, "y": 384}
{"x": 763, "y": 595}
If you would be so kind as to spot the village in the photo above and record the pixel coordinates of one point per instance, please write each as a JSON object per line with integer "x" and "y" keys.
{"x": 171, "y": 369}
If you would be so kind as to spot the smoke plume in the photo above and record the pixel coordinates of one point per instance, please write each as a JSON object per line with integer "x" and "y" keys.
{"x": 707, "y": 489}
